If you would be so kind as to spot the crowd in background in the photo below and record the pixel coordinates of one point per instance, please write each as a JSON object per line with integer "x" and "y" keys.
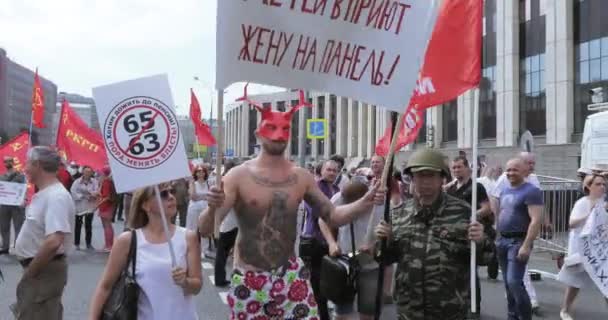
{"x": 93, "y": 194}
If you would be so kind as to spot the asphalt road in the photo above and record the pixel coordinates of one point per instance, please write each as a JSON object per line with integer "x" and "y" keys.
{"x": 85, "y": 268}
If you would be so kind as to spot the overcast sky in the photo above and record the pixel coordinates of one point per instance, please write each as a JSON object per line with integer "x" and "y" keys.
{"x": 80, "y": 44}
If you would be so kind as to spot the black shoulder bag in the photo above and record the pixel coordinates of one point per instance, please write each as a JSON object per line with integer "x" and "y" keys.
{"x": 122, "y": 302}
{"x": 339, "y": 275}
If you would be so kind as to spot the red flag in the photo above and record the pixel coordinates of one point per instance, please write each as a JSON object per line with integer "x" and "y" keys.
{"x": 201, "y": 129}
{"x": 37, "y": 103}
{"x": 414, "y": 119}
{"x": 16, "y": 149}
{"x": 444, "y": 77}
{"x": 458, "y": 32}
{"x": 77, "y": 142}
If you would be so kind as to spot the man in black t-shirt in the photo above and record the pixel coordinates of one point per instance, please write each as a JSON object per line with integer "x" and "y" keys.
{"x": 462, "y": 188}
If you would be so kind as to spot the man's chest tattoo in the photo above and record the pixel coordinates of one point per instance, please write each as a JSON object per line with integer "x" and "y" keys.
{"x": 269, "y": 242}
{"x": 291, "y": 180}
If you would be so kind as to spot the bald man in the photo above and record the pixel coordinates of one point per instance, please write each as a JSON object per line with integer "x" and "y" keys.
{"x": 529, "y": 161}
{"x": 519, "y": 222}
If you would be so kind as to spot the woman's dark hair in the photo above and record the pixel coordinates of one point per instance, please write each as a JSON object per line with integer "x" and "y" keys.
{"x": 199, "y": 168}
{"x": 137, "y": 216}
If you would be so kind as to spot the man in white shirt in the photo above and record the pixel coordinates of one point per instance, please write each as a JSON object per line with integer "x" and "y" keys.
{"x": 44, "y": 241}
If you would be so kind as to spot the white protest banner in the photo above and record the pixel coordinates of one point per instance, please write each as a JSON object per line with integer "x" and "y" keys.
{"x": 369, "y": 50}
{"x": 11, "y": 193}
{"x": 141, "y": 133}
{"x": 594, "y": 241}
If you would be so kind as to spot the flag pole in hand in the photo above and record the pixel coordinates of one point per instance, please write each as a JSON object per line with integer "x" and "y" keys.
{"x": 396, "y": 122}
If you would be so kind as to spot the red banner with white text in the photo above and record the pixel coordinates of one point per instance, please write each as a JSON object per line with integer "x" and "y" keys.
{"x": 77, "y": 142}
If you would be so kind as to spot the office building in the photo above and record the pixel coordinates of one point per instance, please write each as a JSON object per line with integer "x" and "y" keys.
{"x": 16, "y": 87}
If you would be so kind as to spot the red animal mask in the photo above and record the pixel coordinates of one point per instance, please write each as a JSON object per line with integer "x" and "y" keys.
{"x": 275, "y": 125}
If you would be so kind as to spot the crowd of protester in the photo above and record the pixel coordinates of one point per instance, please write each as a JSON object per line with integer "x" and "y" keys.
{"x": 509, "y": 207}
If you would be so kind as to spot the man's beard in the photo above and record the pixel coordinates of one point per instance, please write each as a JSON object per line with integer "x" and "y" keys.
{"x": 275, "y": 148}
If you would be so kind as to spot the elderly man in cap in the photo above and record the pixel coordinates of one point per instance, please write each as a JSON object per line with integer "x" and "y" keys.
{"x": 429, "y": 237}
{"x": 16, "y": 214}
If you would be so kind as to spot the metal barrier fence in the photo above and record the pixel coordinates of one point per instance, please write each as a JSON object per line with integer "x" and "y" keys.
{"x": 559, "y": 198}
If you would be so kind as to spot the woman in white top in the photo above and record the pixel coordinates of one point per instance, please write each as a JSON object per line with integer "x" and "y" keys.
{"x": 573, "y": 273}
{"x": 166, "y": 292}
{"x": 198, "y": 189}
{"x": 84, "y": 192}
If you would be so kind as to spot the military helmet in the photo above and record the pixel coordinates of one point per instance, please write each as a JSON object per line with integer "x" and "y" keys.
{"x": 427, "y": 159}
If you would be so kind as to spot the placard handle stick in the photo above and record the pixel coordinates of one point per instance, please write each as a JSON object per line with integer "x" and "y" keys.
{"x": 165, "y": 225}
{"x": 219, "y": 153}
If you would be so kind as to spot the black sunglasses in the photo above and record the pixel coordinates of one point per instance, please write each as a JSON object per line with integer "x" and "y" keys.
{"x": 164, "y": 194}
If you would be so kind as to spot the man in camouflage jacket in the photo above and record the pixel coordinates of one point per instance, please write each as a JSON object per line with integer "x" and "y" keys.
{"x": 429, "y": 239}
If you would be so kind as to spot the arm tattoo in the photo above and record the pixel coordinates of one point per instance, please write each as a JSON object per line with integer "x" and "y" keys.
{"x": 291, "y": 180}
{"x": 319, "y": 204}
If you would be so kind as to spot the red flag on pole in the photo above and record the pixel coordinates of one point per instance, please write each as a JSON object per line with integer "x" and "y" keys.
{"x": 16, "y": 148}
{"x": 458, "y": 31}
{"x": 444, "y": 77}
{"x": 77, "y": 142}
{"x": 201, "y": 129}
{"x": 37, "y": 103}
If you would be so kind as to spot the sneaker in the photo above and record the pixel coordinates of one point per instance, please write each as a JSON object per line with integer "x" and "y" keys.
{"x": 565, "y": 315}
{"x": 222, "y": 284}
{"x": 90, "y": 247}
{"x": 3, "y": 251}
{"x": 77, "y": 248}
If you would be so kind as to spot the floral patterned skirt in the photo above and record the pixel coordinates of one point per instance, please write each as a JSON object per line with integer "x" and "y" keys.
{"x": 284, "y": 293}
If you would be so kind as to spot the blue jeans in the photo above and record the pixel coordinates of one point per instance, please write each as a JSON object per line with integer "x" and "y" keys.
{"x": 513, "y": 271}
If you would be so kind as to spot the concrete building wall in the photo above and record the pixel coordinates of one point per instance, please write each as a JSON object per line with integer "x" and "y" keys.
{"x": 16, "y": 86}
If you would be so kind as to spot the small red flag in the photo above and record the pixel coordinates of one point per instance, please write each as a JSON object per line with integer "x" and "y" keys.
{"x": 414, "y": 119}
{"x": 201, "y": 129}
{"x": 77, "y": 142}
{"x": 16, "y": 148}
{"x": 37, "y": 103}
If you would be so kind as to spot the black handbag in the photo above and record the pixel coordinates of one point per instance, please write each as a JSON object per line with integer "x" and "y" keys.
{"x": 339, "y": 275}
{"x": 122, "y": 302}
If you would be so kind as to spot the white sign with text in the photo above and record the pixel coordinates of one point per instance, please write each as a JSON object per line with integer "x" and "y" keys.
{"x": 141, "y": 132}
{"x": 594, "y": 241}
{"x": 11, "y": 193}
{"x": 366, "y": 50}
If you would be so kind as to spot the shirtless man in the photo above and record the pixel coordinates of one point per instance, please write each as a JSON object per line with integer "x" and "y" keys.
{"x": 265, "y": 193}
